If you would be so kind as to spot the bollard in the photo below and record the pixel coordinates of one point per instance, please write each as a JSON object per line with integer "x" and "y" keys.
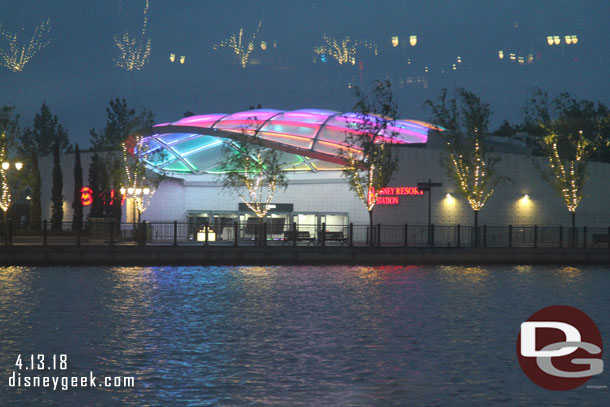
{"x": 144, "y": 233}
{"x": 535, "y": 235}
{"x": 294, "y": 233}
{"x": 235, "y": 233}
{"x": 584, "y": 237}
{"x": 264, "y": 242}
{"x": 78, "y": 235}
{"x": 459, "y": 235}
{"x": 206, "y": 228}
{"x": 510, "y": 235}
{"x": 351, "y": 234}
{"x": 111, "y": 233}
{"x": 175, "y": 233}
{"x": 561, "y": 236}
{"x": 323, "y": 232}
{"x": 44, "y": 232}
{"x": 379, "y": 235}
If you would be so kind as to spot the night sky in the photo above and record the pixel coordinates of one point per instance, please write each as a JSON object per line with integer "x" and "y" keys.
{"x": 77, "y": 76}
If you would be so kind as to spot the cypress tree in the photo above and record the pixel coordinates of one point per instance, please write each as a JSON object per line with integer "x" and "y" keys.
{"x": 77, "y": 206}
{"x": 98, "y": 182}
{"x": 117, "y": 171}
{"x": 57, "y": 198}
{"x": 35, "y": 183}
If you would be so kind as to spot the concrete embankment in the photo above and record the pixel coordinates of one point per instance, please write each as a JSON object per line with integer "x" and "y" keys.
{"x": 219, "y": 255}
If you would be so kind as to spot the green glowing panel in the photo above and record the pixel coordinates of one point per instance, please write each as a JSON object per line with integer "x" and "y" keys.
{"x": 177, "y": 166}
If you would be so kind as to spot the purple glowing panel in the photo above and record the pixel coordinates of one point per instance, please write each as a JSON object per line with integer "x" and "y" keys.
{"x": 314, "y": 133}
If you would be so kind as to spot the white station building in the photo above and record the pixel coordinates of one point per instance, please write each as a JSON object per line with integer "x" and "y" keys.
{"x": 187, "y": 152}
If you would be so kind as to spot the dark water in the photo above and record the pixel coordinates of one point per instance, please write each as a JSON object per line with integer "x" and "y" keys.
{"x": 291, "y": 336}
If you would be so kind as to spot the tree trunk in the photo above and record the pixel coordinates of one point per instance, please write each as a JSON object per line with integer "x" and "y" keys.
{"x": 476, "y": 228}
{"x": 371, "y": 232}
{"x": 573, "y": 215}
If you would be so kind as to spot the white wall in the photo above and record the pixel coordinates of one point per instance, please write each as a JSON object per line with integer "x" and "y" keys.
{"x": 327, "y": 192}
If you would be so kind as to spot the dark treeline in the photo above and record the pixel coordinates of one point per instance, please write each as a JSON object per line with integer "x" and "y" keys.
{"x": 47, "y": 137}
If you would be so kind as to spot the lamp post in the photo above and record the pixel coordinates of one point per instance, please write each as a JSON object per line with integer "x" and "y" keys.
{"x": 427, "y": 186}
{"x": 136, "y": 193}
{"x": 7, "y": 167}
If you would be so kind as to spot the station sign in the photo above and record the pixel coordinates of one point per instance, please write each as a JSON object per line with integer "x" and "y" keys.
{"x": 391, "y": 195}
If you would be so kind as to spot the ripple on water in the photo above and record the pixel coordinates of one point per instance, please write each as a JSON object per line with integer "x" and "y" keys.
{"x": 291, "y": 336}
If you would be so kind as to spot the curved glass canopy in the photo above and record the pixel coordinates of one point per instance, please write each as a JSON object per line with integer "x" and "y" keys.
{"x": 308, "y": 139}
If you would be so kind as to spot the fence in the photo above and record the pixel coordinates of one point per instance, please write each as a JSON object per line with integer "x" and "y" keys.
{"x": 106, "y": 232}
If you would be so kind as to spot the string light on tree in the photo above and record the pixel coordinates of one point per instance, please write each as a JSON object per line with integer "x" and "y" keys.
{"x": 240, "y": 47}
{"x": 568, "y": 175}
{"x": 138, "y": 188}
{"x": 472, "y": 177}
{"x": 343, "y": 51}
{"x": 18, "y": 54}
{"x": 5, "y": 168}
{"x": 135, "y": 52}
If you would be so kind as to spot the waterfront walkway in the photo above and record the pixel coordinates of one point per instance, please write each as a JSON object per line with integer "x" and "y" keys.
{"x": 157, "y": 254}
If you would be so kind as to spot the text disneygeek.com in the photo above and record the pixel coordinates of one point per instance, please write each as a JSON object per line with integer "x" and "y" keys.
{"x": 18, "y": 380}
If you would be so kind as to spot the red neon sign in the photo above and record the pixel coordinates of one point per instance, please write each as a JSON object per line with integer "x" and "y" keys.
{"x": 391, "y": 195}
{"x": 86, "y": 196}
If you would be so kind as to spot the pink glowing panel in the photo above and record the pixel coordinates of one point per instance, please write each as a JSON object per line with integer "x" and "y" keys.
{"x": 247, "y": 122}
{"x": 287, "y": 139}
{"x": 206, "y": 120}
{"x": 162, "y": 124}
{"x": 306, "y": 116}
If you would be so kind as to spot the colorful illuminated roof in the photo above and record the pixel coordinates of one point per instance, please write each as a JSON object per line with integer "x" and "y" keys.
{"x": 308, "y": 139}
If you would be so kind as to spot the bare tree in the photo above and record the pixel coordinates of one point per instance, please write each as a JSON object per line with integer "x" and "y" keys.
{"x": 469, "y": 163}
{"x": 369, "y": 161}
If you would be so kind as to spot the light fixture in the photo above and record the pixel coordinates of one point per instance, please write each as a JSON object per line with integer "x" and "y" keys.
{"x": 549, "y": 39}
{"x": 130, "y": 190}
{"x": 29, "y": 198}
{"x": 146, "y": 190}
{"x": 18, "y": 166}
{"x": 568, "y": 39}
{"x": 138, "y": 191}
{"x": 557, "y": 39}
{"x": 413, "y": 40}
{"x": 574, "y": 39}
{"x": 501, "y": 54}
{"x": 182, "y": 59}
{"x": 526, "y": 196}
{"x": 123, "y": 190}
{"x": 263, "y": 45}
{"x": 172, "y": 57}
{"x": 395, "y": 41}
{"x": 5, "y": 165}
{"x": 448, "y": 196}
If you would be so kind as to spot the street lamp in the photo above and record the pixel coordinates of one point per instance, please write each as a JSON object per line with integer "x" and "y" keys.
{"x": 427, "y": 186}
{"x": 135, "y": 193}
{"x": 5, "y": 200}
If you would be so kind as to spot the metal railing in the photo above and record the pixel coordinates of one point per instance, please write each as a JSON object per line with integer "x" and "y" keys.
{"x": 107, "y": 232}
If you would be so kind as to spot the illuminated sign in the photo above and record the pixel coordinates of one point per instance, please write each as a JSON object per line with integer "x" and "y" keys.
{"x": 86, "y": 196}
{"x": 391, "y": 195}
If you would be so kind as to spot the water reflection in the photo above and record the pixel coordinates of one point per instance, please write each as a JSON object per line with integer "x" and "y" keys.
{"x": 297, "y": 336}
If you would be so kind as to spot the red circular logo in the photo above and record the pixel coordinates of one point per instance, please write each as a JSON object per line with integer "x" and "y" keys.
{"x": 560, "y": 348}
